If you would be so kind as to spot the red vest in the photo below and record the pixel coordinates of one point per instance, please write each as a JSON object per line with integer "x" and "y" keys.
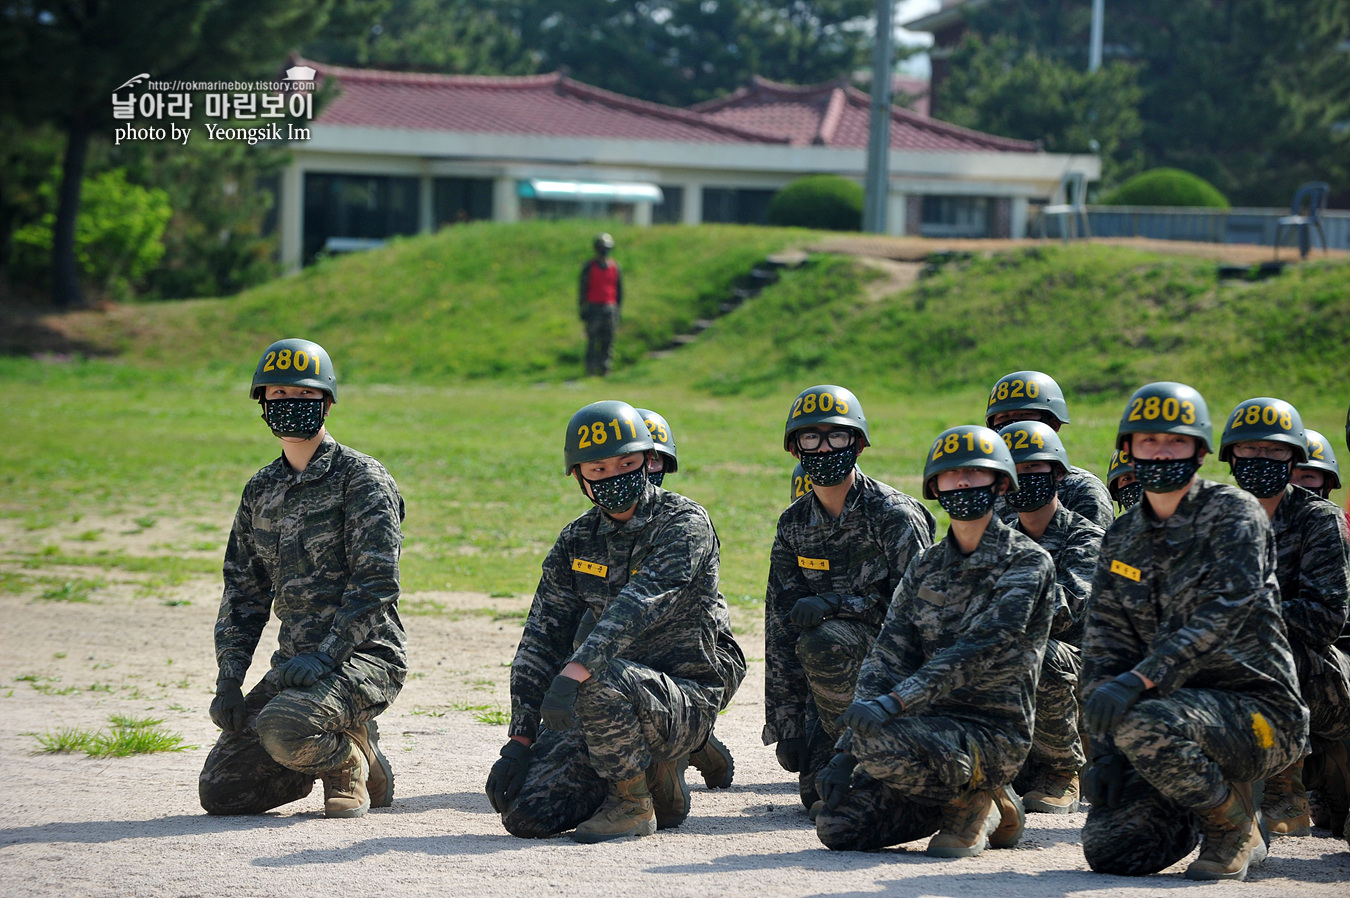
{"x": 602, "y": 284}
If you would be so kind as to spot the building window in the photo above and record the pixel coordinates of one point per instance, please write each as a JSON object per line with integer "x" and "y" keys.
{"x": 367, "y": 207}
{"x": 672, "y": 210}
{"x": 532, "y": 208}
{"x": 729, "y": 205}
{"x": 457, "y": 200}
{"x": 955, "y": 216}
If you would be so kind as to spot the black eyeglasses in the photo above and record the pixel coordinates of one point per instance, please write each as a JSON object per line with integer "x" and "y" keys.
{"x": 810, "y": 440}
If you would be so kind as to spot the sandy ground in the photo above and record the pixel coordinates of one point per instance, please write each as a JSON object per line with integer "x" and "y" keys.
{"x": 76, "y": 826}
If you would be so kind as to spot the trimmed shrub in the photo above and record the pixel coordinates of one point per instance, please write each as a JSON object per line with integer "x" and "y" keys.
{"x": 828, "y": 202}
{"x": 1166, "y": 187}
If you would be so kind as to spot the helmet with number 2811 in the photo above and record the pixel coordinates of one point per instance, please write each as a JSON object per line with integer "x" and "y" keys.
{"x": 825, "y": 404}
{"x": 1267, "y": 419}
{"x": 294, "y": 363}
{"x": 1166, "y": 407}
{"x": 1027, "y": 391}
{"x": 967, "y": 446}
{"x": 603, "y": 430}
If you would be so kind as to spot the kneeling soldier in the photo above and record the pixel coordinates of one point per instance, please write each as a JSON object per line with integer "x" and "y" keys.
{"x": 942, "y": 718}
{"x": 1189, "y": 684}
{"x": 622, "y": 711}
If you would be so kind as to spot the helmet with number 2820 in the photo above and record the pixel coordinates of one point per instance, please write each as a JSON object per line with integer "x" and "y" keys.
{"x": 1027, "y": 391}
{"x": 967, "y": 446}
{"x": 294, "y": 363}
{"x": 1166, "y": 407}
{"x": 603, "y": 430}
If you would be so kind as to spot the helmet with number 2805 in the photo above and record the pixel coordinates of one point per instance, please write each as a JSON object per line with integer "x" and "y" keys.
{"x": 825, "y": 404}
{"x": 1166, "y": 407}
{"x": 603, "y": 430}
{"x": 663, "y": 437}
{"x": 294, "y": 363}
{"x": 1268, "y": 419}
{"x": 1024, "y": 391}
{"x": 967, "y": 446}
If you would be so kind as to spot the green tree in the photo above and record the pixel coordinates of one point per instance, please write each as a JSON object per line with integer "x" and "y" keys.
{"x": 1005, "y": 90}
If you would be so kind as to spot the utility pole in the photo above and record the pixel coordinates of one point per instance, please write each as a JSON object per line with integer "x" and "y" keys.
{"x": 877, "y": 183}
{"x": 1095, "y": 45}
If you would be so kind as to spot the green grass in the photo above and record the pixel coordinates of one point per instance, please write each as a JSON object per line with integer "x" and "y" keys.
{"x": 125, "y": 736}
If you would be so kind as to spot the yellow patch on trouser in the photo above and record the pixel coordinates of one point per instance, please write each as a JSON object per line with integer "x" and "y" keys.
{"x": 1265, "y": 733}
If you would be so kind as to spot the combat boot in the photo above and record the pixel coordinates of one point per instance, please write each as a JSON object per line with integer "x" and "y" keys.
{"x": 627, "y": 811}
{"x": 1285, "y": 805}
{"x": 669, "y": 791}
{"x": 1232, "y": 838}
{"x": 1012, "y": 818}
{"x": 344, "y": 787}
{"x": 1055, "y": 792}
{"x": 380, "y": 783}
{"x": 967, "y": 823}
{"x": 714, "y": 761}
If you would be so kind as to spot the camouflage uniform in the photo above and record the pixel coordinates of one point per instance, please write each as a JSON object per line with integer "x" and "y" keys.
{"x": 861, "y": 555}
{"x": 1311, "y": 557}
{"x": 962, "y": 647}
{"x": 1073, "y": 543}
{"x": 320, "y": 547}
{"x": 1080, "y": 491}
{"x": 657, "y": 677}
{"x": 1192, "y": 603}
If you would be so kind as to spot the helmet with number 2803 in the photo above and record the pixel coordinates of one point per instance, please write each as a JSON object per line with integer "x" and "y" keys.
{"x": 294, "y": 363}
{"x": 1268, "y": 419}
{"x": 663, "y": 437}
{"x": 1166, "y": 407}
{"x": 825, "y": 404}
{"x": 967, "y": 446}
{"x": 603, "y": 430}
{"x": 1027, "y": 391}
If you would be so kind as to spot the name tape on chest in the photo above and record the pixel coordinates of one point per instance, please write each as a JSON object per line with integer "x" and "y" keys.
{"x": 1129, "y": 573}
{"x": 590, "y": 567}
{"x": 813, "y": 564}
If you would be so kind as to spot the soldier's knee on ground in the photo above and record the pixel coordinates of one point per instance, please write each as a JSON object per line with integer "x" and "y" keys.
{"x": 285, "y": 727}
{"x": 1146, "y": 834}
{"x": 523, "y": 823}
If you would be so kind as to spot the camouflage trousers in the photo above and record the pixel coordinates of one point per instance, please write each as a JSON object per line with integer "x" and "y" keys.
{"x": 1055, "y": 744}
{"x": 601, "y": 322}
{"x": 290, "y": 737}
{"x": 1183, "y": 749}
{"x": 1324, "y": 680}
{"x": 907, "y": 773}
{"x": 628, "y": 718}
{"x": 831, "y": 656}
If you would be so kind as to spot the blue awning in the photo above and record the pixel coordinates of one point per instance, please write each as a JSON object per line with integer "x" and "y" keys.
{"x": 590, "y": 191}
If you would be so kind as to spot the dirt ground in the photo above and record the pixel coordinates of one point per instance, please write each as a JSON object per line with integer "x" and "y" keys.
{"x": 75, "y": 826}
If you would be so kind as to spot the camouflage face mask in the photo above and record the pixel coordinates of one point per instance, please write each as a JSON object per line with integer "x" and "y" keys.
{"x": 1131, "y": 494}
{"x": 969, "y": 504}
{"x": 1164, "y": 475}
{"x": 1262, "y": 477}
{"x": 300, "y": 418}
{"x": 620, "y": 492}
{"x": 829, "y": 468}
{"x": 1036, "y": 491}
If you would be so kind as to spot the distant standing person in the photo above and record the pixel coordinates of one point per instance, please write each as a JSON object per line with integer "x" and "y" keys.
{"x": 315, "y": 541}
{"x": 600, "y": 298}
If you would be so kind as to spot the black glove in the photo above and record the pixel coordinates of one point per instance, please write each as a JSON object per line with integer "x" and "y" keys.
{"x": 508, "y": 775}
{"x": 304, "y": 670}
{"x": 791, "y": 753}
{"x": 557, "y": 709}
{"x": 1104, "y": 780}
{"x": 833, "y": 780}
{"x": 811, "y": 611}
{"x": 866, "y": 718}
{"x": 227, "y": 708}
{"x": 1107, "y": 706}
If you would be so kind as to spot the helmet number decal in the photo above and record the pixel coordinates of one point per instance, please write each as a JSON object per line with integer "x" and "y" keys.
{"x": 657, "y": 432}
{"x": 1023, "y": 440}
{"x": 1014, "y": 389}
{"x": 952, "y": 443}
{"x": 1262, "y": 414}
{"x": 596, "y": 434}
{"x": 809, "y": 403}
{"x": 1315, "y": 448}
{"x": 1169, "y": 409}
{"x": 801, "y": 485}
{"x": 285, "y": 360}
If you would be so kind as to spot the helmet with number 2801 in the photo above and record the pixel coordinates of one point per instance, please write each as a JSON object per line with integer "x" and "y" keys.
{"x": 294, "y": 363}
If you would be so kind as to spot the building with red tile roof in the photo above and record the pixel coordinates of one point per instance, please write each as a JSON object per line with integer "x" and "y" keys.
{"x": 398, "y": 153}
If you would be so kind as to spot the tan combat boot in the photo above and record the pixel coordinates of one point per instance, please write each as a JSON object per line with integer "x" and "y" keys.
{"x": 714, "y": 761}
{"x": 967, "y": 823}
{"x": 1012, "y": 818}
{"x": 1232, "y": 838}
{"x": 1055, "y": 792}
{"x": 627, "y": 811}
{"x": 344, "y": 788}
{"x": 669, "y": 791}
{"x": 380, "y": 784}
{"x": 1285, "y": 805}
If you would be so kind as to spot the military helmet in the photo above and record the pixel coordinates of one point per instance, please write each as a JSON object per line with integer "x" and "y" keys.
{"x": 1034, "y": 441}
{"x": 1027, "y": 391}
{"x": 801, "y": 483}
{"x": 603, "y": 241}
{"x": 603, "y": 430}
{"x": 825, "y": 404}
{"x": 1121, "y": 464}
{"x": 1264, "y": 418}
{"x": 1321, "y": 458}
{"x": 294, "y": 363}
{"x": 663, "y": 437}
{"x": 1166, "y": 407}
{"x": 967, "y": 446}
